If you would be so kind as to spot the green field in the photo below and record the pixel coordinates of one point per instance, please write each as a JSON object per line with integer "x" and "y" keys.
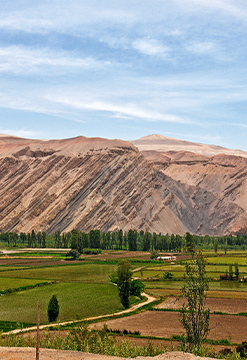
{"x": 240, "y": 260}
{"x": 83, "y": 289}
{"x": 15, "y": 283}
{"x": 93, "y": 273}
{"x": 75, "y": 300}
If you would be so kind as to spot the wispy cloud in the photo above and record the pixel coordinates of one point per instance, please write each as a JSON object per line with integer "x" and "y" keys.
{"x": 201, "y": 48}
{"x": 229, "y": 7}
{"x": 122, "y": 110}
{"x": 20, "y": 59}
{"x": 150, "y": 47}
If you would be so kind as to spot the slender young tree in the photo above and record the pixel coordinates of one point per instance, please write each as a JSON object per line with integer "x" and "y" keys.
{"x": 194, "y": 316}
{"x": 53, "y": 309}
{"x": 236, "y": 270}
{"x": 124, "y": 274}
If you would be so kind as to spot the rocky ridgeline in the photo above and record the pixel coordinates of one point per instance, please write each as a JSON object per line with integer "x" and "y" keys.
{"x": 109, "y": 184}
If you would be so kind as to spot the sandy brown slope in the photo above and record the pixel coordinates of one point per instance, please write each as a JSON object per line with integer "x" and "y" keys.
{"x": 207, "y": 193}
{"x": 87, "y": 183}
{"x": 80, "y": 183}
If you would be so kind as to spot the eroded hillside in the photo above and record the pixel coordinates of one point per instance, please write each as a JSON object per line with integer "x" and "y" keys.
{"x": 109, "y": 184}
{"x": 208, "y": 193}
{"x": 80, "y": 183}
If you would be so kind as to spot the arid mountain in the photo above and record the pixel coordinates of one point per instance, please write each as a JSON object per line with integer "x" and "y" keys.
{"x": 109, "y": 184}
{"x": 165, "y": 144}
{"x": 208, "y": 184}
{"x": 80, "y": 183}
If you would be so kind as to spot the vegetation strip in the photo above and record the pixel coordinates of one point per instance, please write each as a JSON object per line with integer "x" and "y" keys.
{"x": 28, "y": 287}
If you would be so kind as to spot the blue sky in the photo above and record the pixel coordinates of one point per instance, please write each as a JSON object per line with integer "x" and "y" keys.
{"x": 125, "y": 69}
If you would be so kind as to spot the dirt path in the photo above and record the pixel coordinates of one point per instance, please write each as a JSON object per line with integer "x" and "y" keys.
{"x": 132, "y": 308}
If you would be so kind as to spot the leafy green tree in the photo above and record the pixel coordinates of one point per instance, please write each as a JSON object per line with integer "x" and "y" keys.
{"x": 39, "y": 238}
{"x": 194, "y": 316}
{"x": 124, "y": 274}
{"x": 43, "y": 239}
{"x": 132, "y": 240}
{"x": 167, "y": 275}
{"x": 146, "y": 240}
{"x": 23, "y": 237}
{"x": 154, "y": 254}
{"x": 230, "y": 271}
{"x": 74, "y": 239}
{"x": 73, "y": 254}
{"x": 53, "y": 309}
{"x": 29, "y": 240}
{"x": 33, "y": 238}
{"x": 120, "y": 238}
{"x": 236, "y": 270}
{"x": 136, "y": 288}
{"x": 190, "y": 244}
{"x": 215, "y": 246}
{"x": 94, "y": 239}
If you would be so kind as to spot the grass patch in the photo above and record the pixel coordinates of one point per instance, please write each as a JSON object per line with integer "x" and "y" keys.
{"x": 227, "y": 260}
{"x": 77, "y": 272}
{"x": 6, "y": 326}
{"x": 9, "y": 283}
{"x": 75, "y": 301}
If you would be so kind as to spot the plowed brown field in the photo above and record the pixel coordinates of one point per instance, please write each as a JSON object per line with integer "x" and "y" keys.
{"x": 166, "y": 324}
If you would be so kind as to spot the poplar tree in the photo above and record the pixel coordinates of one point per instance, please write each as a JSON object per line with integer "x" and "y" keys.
{"x": 124, "y": 274}
{"x": 194, "y": 316}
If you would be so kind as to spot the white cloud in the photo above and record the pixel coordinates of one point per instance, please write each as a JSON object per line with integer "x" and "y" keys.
{"x": 128, "y": 110}
{"x": 19, "y": 59}
{"x": 150, "y": 47}
{"x": 201, "y": 48}
{"x": 233, "y": 8}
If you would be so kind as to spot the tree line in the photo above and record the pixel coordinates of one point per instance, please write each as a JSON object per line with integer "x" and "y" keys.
{"x": 123, "y": 240}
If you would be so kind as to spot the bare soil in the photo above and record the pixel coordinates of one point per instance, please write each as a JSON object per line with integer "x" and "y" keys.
{"x": 49, "y": 354}
{"x": 165, "y": 324}
{"x": 229, "y": 306}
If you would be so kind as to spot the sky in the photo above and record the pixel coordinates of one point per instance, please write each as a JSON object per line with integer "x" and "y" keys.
{"x": 125, "y": 69}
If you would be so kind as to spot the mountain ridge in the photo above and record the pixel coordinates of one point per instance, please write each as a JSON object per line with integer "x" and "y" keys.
{"x": 87, "y": 183}
{"x": 162, "y": 143}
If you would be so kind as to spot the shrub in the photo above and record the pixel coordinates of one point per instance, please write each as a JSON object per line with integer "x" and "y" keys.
{"x": 136, "y": 288}
{"x": 167, "y": 275}
{"x": 154, "y": 254}
{"x": 242, "y": 349}
{"x": 53, "y": 309}
{"x": 87, "y": 251}
{"x": 73, "y": 254}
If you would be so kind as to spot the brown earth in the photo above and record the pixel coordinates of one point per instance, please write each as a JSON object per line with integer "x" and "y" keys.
{"x": 229, "y": 306}
{"x": 50, "y": 354}
{"x": 166, "y": 324}
{"x": 171, "y": 187}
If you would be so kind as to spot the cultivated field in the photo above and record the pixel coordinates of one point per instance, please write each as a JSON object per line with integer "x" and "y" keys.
{"x": 83, "y": 290}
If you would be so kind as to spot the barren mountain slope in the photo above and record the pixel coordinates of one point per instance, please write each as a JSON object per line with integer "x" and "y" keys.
{"x": 163, "y": 144}
{"x": 80, "y": 183}
{"x": 212, "y": 190}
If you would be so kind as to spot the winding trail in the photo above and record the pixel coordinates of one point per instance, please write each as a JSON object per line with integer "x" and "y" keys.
{"x": 41, "y": 327}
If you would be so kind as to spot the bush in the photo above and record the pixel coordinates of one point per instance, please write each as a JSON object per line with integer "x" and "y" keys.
{"x": 154, "y": 254}
{"x": 73, "y": 254}
{"x": 87, "y": 251}
{"x": 167, "y": 275}
{"x": 136, "y": 288}
{"x": 242, "y": 349}
{"x": 113, "y": 278}
{"x": 53, "y": 309}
